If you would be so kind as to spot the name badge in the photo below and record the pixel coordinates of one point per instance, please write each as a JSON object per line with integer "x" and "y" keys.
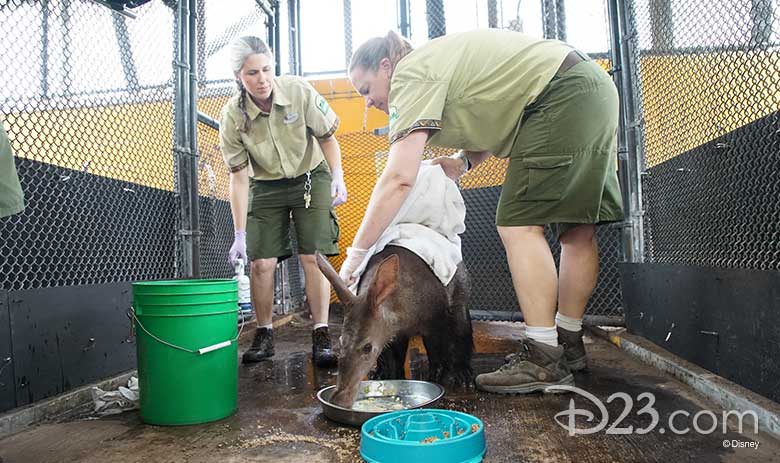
{"x": 289, "y": 118}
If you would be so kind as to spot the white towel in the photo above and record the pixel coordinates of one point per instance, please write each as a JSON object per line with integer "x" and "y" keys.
{"x": 428, "y": 224}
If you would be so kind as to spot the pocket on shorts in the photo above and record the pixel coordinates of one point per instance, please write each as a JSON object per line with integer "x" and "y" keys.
{"x": 335, "y": 228}
{"x": 547, "y": 177}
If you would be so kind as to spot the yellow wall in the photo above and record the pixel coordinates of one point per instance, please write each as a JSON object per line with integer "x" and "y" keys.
{"x": 691, "y": 100}
{"x": 132, "y": 142}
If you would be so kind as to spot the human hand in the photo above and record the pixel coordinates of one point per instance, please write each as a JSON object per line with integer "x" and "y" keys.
{"x": 354, "y": 258}
{"x": 238, "y": 250}
{"x": 338, "y": 189}
{"x": 453, "y": 167}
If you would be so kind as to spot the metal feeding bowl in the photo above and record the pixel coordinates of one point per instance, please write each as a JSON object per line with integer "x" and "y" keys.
{"x": 375, "y": 398}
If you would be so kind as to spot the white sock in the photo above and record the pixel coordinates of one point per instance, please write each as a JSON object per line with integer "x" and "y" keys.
{"x": 545, "y": 335}
{"x": 568, "y": 323}
{"x": 269, "y": 326}
{"x": 319, "y": 325}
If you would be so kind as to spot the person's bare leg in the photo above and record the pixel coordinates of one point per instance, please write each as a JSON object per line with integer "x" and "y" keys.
{"x": 539, "y": 364}
{"x": 261, "y": 286}
{"x": 579, "y": 270}
{"x": 318, "y": 294}
{"x": 533, "y": 273}
{"x": 317, "y": 289}
{"x": 578, "y": 276}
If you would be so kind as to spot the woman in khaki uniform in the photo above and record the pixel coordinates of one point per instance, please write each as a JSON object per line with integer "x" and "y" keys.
{"x": 553, "y": 113}
{"x": 277, "y": 139}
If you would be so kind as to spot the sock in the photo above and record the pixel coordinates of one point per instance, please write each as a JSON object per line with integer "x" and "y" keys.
{"x": 319, "y": 325}
{"x": 269, "y": 326}
{"x": 568, "y": 323}
{"x": 545, "y": 335}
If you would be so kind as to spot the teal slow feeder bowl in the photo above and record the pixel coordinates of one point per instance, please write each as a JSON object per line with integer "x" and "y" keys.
{"x": 426, "y": 435}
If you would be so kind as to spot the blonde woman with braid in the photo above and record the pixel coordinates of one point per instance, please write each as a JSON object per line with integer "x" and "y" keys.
{"x": 276, "y": 137}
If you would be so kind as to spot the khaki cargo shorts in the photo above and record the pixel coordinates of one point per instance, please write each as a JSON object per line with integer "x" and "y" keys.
{"x": 271, "y": 205}
{"x": 563, "y": 165}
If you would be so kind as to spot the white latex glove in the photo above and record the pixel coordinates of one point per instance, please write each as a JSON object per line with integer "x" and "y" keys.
{"x": 238, "y": 250}
{"x": 338, "y": 189}
{"x": 354, "y": 258}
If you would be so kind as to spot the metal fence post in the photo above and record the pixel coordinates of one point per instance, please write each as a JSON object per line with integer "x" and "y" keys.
{"x": 630, "y": 159}
{"x": 185, "y": 147}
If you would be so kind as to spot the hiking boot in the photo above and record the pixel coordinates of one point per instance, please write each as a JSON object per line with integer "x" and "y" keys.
{"x": 535, "y": 367}
{"x": 573, "y": 349}
{"x": 321, "y": 351}
{"x": 262, "y": 346}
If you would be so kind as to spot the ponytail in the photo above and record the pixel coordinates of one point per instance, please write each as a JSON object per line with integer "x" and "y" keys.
{"x": 392, "y": 46}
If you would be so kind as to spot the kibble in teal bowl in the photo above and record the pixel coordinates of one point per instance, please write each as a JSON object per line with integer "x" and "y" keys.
{"x": 426, "y": 435}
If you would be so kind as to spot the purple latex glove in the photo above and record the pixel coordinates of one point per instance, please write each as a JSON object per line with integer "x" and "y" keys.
{"x": 338, "y": 189}
{"x": 238, "y": 250}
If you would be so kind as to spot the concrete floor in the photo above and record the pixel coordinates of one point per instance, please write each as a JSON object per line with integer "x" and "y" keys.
{"x": 279, "y": 418}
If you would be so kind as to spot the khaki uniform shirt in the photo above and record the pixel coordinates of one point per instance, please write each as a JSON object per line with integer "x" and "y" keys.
{"x": 471, "y": 88}
{"x": 11, "y": 196}
{"x": 279, "y": 144}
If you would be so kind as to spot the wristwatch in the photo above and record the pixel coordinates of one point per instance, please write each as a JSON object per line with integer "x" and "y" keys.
{"x": 462, "y": 156}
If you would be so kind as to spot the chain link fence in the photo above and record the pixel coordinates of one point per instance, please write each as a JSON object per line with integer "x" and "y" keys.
{"x": 706, "y": 81}
{"x": 87, "y": 101}
{"x": 85, "y": 96}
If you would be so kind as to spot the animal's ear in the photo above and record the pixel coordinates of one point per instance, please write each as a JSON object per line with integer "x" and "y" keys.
{"x": 385, "y": 282}
{"x": 344, "y": 294}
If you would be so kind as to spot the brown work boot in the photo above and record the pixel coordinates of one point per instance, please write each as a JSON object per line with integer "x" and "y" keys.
{"x": 535, "y": 367}
{"x": 262, "y": 346}
{"x": 321, "y": 351}
{"x": 573, "y": 349}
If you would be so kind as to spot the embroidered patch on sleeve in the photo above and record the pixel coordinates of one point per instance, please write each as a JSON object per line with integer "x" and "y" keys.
{"x": 322, "y": 104}
{"x": 393, "y": 114}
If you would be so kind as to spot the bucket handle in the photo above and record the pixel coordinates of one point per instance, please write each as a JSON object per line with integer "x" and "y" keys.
{"x": 201, "y": 351}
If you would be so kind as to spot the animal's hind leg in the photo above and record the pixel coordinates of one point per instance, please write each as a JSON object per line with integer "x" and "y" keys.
{"x": 449, "y": 348}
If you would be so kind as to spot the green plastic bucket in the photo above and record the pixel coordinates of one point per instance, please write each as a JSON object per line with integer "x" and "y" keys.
{"x": 187, "y": 348}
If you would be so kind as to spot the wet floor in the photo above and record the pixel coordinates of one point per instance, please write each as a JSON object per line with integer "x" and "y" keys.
{"x": 279, "y": 418}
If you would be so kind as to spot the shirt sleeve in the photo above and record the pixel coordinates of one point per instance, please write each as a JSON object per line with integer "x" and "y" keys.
{"x": 415, "y": 105}
{"x": 320, "y": 118}
{"x": 234, "y": 152}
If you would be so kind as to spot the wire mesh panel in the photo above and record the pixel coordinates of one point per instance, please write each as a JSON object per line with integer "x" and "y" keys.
{"x": 87, "y": 101}
{"x": 706, "y": 74}
{"x": 85, "y": 95}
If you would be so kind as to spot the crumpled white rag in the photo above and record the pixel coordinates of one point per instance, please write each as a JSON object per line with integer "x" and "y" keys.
{"x": 427, "y": 224}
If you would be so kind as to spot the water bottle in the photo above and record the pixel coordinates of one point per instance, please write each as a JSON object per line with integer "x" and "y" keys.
{"x": 244, "y": 300}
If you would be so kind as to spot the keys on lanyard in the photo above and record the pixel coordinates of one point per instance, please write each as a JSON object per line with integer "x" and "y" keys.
{"x": 307, "y": 190}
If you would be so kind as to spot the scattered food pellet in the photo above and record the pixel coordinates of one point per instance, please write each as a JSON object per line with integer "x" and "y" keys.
{"x": 474, "y": 427}
{"x": 428, "y": 440}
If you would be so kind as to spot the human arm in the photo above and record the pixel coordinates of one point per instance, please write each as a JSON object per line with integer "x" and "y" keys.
{"x": 389, "y": 194}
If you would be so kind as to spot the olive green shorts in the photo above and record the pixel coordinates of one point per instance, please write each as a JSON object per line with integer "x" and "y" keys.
{"x": 563, "y": 165}
{"x": 271, "y": 205}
